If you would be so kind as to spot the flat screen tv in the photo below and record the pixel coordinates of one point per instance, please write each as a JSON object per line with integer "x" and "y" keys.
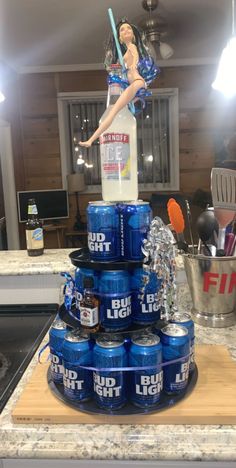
{"x": 51, "y": 204}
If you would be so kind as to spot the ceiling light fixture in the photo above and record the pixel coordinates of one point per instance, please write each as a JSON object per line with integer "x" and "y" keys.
{"x": 225, "y": 80}
{"x": 154, "y": 26}
{"x": 2, "y": 97}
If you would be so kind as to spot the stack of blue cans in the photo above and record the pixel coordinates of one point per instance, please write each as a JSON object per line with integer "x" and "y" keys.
{"x": 125, "y": 297}
{"x": 112, "y": 374}
{"x": 116, "y": 231}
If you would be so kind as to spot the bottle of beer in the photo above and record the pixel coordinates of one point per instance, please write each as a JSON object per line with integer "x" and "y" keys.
{"x": 89, "y": 307}
{"x": 34, "y": 231}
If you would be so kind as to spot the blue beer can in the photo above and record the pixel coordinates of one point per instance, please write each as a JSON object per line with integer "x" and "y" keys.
{"x": 57, "y": 334}
{"x": 77, "y": 351}
{"x": 175, "y": 344}
{"x": 103, "y": 231}
{"x": 135, "y": 219}
{"x": 145, "y": 305}
{"x": 185, "y": 320}
{"x": 80, "y": 275}
{"x": 115, "y": 300}
{"x": 146, "y": 385}
{"x": 110, "y": 389}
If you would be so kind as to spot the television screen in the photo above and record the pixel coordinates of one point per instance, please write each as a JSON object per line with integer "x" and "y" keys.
{"x": 51, "y": 204}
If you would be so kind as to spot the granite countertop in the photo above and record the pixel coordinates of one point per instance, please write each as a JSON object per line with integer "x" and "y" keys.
{"x": 53, "y": 261}
{"x": 18, "y": 262}
{"x": 133, "y": 442}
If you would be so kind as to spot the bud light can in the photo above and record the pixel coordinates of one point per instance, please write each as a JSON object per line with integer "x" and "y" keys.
{"x": 103, "y": 231}
{"x": 77, "y": 351}
{"x": 110, "y": 391}
{"x": 175, "y": 345}
{"x": 146, "y": 385}
{"x": 145, "y": 305}
{"x": 115, "y": 300}
{"x": 135, "y": 219}
{"x": 57, "y": 334}
{"x": 80, "y": 275}
{"x": 185, "y": 320}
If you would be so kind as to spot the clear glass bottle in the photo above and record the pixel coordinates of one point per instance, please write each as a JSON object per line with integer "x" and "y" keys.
{"x": 118, "y": 150}
{"x": 34, "y": 231}
{"x": 89, "y": 307}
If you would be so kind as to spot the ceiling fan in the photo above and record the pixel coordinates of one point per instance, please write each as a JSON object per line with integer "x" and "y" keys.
{"x": 154, "y": 27}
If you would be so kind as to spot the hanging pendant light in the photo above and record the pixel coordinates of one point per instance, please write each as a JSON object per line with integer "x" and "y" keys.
{"x": 225, "y": 80}
{"x": 2, "y": 97}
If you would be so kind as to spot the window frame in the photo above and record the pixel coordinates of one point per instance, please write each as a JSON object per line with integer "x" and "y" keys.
{"x": 63, "y": 99}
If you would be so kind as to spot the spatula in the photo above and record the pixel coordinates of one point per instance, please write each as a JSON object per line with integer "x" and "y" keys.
{"x": 223, "y": 189}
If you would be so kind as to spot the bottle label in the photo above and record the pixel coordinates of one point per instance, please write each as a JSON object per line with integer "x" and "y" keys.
{"x": 32, "y": 209}
{"x": 88, "y": 317}
{"x": 115, "y": 156}
{"x": 34, "y": 239}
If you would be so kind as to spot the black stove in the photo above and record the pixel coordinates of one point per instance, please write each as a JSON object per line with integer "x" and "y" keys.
{"x": 22, "y": 328}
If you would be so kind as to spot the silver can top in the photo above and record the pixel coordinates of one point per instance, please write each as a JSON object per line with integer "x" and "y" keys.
{"x": 174, "y": 330}
{"x": 137, "y": 202}
{"x": 148, "y": 339}
{"x": 76, "y": 337}
{"x": 110, "y": 342}
{"x": 101, "y": 203}
{"x": 181, "y": 317}
{"x": 58, "y": 324}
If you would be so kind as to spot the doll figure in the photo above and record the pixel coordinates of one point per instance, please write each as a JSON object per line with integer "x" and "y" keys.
{"x": 139, "y": 67}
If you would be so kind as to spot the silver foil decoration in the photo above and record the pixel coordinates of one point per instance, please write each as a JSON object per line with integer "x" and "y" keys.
{"x": 159, "y": 257}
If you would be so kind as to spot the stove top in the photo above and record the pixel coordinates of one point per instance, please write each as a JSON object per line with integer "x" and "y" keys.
{"x": 22, "y": 328}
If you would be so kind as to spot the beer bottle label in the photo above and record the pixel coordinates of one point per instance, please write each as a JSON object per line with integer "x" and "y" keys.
{"x": 32, "y": 209}
{"x": 88, "y": 317}
{"x": 34, "y": 239}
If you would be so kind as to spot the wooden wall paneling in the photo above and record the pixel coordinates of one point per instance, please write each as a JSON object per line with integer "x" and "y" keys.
{"x": 43, "y": 166}
{"x": 193, "y": 159}
{"x": 82, "y": 81}
{"x": 35, "y": 106}
{"x": 190, "y": 181}
{"x": 37, "y": 84}
{"x": 37, "y": 147}
{"x": 41, "y": 127}
{"x": 203, "y": 119}
{"x": 43, "y": 183}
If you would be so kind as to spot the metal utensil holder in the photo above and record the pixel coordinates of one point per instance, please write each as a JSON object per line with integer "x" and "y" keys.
{"x": 212, "y": 283}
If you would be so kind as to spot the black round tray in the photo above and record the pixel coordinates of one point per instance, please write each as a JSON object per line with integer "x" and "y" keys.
{"x": 81, "y": 258}
{"x": 91, "y": 407}
{"x": 133, "y": 329}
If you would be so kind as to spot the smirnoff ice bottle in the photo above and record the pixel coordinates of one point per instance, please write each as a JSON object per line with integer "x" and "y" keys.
{"x": 118, "y": 149}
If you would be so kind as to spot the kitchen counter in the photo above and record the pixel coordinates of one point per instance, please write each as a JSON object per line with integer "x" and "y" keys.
{"x": 18, "y": 262}
{"x": 129, "y": 442}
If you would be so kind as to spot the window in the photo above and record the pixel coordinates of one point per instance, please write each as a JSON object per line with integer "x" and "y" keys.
{"x": 157, "y": 138}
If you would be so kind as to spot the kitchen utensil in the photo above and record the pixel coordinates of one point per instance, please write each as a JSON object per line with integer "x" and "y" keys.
{"x": 177, "y": 222}
{"x": 206, "y": 225}
{"x": 189, "y": 218}
{"x": 230, "y": 242}
{"x": 223, "y": 189}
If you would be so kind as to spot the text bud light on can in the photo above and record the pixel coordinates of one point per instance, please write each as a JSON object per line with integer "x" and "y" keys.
{"x": 146, "y": 385}
{"x": 110, "y": 386}
{"x": 185, "y": 320}
{"x": 115, "y": 300}
{"x": 80, "y": 275}
{"x": 175, "y": 345}
{"x": 145, "y": 304}
{"x": 135, "y": 219}
{"x": 103, "y": 231}
{"x": 77, "y": 351}
{"x": 57, "y": 334}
